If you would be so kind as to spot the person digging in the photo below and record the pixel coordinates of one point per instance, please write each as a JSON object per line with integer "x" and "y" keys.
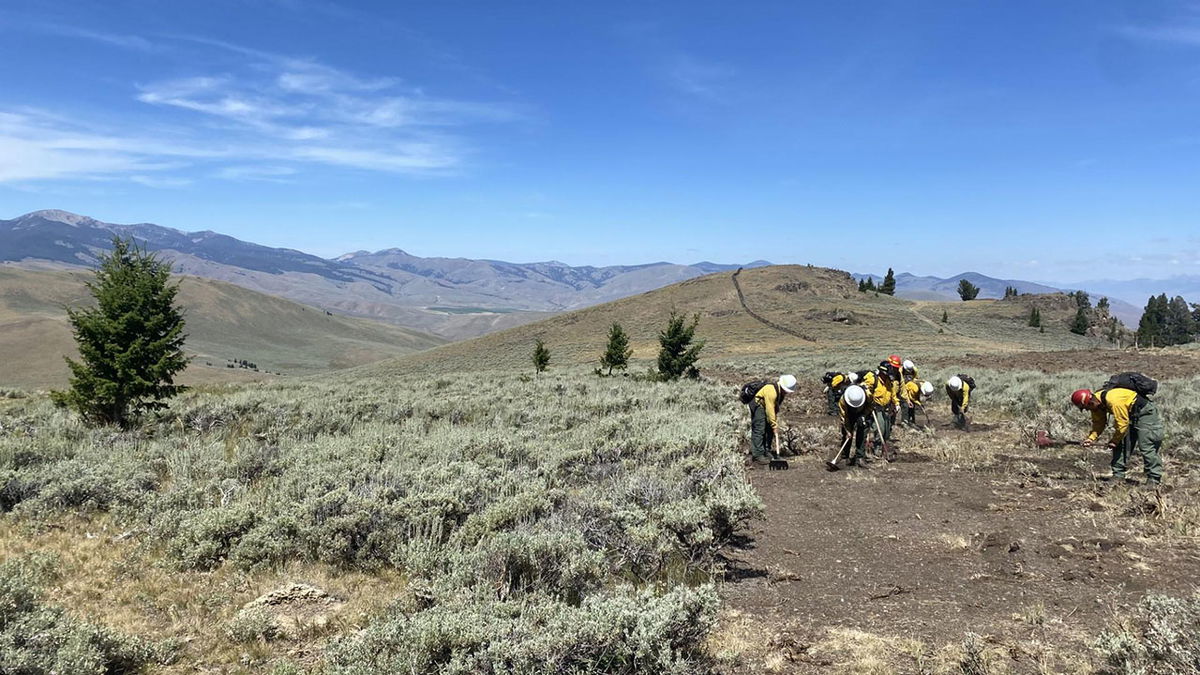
{"x": 853, "y": 410}
{"x": 835, "y": 384}
{"x": 1136, "y": 424}
{"x": 912, "y": 396}
{"x": 764, "y": 419}
{"x": 958, "y": 390}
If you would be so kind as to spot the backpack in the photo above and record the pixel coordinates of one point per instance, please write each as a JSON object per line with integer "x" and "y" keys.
{"x": 1143, "y": 385}
{"x": 749, "y": 390}
{"x": 828, "y": 378}
{"x": 970, "y": 381}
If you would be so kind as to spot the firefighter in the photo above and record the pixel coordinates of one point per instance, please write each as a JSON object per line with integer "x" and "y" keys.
{"x": 958, "y": 390}
{"x": 835, "y": 384}
{"x": 1136, "y": 424}
{"x": 854, "y": 410}
{"x": 912, "y": 396}
{"x": 882, "y": 389}
{"x": 764, "y": 420}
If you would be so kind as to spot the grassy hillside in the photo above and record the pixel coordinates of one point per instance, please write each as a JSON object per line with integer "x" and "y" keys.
{"x": 820, "y": 304}
{"x": 224, "y": 323}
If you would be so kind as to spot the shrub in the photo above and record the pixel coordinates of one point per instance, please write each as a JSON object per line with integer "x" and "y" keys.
{"x": 36, "y": 638}
{"x": 1161, "y": 636}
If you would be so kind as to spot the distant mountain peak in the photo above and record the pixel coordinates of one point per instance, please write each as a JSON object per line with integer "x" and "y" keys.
{"x": 60, "y": 216}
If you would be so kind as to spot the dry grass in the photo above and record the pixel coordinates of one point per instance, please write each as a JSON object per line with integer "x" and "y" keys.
{"x": 121, "y": 583}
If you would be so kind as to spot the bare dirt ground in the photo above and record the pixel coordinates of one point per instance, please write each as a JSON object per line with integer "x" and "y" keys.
{"x": 887, "y": 569}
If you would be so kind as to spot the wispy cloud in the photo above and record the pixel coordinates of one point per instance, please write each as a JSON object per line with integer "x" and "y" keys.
{"x": 268, "y": 174}
{"x": 694, "y": 77}
{"x": 259, "y": 116}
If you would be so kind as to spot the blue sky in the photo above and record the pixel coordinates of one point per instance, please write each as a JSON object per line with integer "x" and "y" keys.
{"x": 1027, "y": 139}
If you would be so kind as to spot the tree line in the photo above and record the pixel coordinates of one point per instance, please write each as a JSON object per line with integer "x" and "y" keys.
{"x": 677, "y": 354}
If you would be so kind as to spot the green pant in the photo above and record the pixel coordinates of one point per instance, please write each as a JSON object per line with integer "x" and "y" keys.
{"x": 1146, "y": 434}
{"x": 882, "y": 422}
{"x": 762, "y": 436}
{"x": 831, "y": 401}
{"x": 858, "y": 428}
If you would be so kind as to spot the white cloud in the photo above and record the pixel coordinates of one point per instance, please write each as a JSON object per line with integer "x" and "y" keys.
{"x": 270, "y": 174}
{"x": 260, "y": 116}
{"x": 161, "y": 182}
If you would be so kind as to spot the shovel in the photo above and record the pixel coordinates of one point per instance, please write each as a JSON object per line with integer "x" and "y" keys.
{"x": 831, "y": 463}
{"x": 885, "y": 450}
{"x": 1043, "y": 440}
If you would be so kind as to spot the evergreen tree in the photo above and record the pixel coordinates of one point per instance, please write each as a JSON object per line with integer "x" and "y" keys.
{"x": 945, "y": 317}
{"x": 967, "y": 290}
{"x": 1010, "y": 292}
{"x": 1180, "y": 325}
{"x": 888, "y": 287}
{"x": 1080, "y": 325}
{"x": 618, "y": 352}
{"x": 1082, "y": 300}
{"x": 1102, "y": 306}
{"x": 678, "y": 349}
{"x": 540, "y": 357}
{"x": 1153, "y": 324}
{"x": 1114, "y": 329}
{"x": 1035, "y": 317}
{"x": 870, "y": 285}
{"x": 862, "y": 285}
{"x": 130, "y": 344}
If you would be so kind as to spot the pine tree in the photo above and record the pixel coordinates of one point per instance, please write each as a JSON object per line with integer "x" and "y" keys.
{"x": 1102, "y": 306}
{"x": 1010, "y": 292}
{"x": 870, "y": 286}
{"x": 540, "y": 357}
{"x": 1153, "y": 323}
{"x": 678, "y": 349}
{"x": 945, "y": 317}
{"x": 618, "y": 352}
{"x": 1080, "y": 325}
{"x": 130, "y": 344}
{"x": 1035, "y": 318}
{"x": 888, "y": 287}
{"x": 862, "y": 285}
{"x": 1180, "y": 326}
{"x": 967, "y": 290}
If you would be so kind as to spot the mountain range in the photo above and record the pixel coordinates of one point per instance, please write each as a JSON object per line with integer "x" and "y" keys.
{"x": 450, "y": 297}
{"x": 913, "y": 287}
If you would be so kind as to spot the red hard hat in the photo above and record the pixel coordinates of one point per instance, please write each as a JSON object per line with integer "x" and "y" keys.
{"x": 894, "y": 359}
{"x": 1081, "y": 398}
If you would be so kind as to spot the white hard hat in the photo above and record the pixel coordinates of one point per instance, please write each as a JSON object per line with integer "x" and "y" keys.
{"x": 853, "y": 377}
{"x": 909, "y": 365}
{"x": 787, "y": 383}
{"x": 954, "y": 383}
{"x": 926, "y": 388}
{"x": 855, "y": 397}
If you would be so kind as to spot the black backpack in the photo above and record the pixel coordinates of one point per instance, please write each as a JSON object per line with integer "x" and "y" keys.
{"x": 749, "y": 390}
{"x": 828, "y": 378}
{"x": 1143, "y": 385}
{"x": 970, "y": 381}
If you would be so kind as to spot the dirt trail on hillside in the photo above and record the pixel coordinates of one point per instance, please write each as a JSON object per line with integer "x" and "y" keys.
{"x": 1026, "y": 550}
{"x": 742, "y": 299}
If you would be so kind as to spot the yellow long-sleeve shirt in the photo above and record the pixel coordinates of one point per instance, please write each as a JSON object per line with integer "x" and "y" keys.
{"x": 1119, "y": 402}
{"x": 881, "y": 391}
{"x": 768, "y": 399}
{"x": 911, "y": 392}
{"x": 966, "y": 395}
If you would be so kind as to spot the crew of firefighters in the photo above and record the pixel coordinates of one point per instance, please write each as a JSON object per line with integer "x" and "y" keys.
{"x": 869, "y": 403}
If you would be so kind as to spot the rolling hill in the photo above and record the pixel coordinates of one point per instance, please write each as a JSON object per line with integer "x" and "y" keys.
{"x": 913, "y": 287}
{"x": 225, "y": 323}
{"x": 450, "y": 297}
{"x": 819, "y": 309}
